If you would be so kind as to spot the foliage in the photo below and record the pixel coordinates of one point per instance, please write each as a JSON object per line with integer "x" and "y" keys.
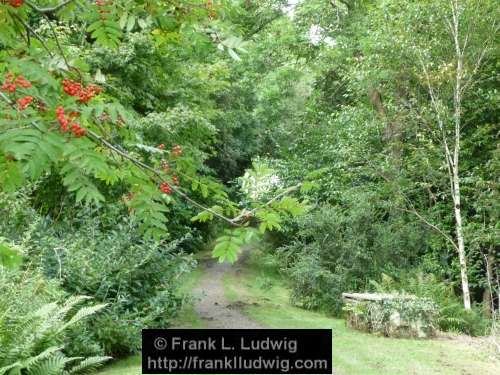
{"x": 336, "y": 250}
{"x": 368, "y": 129}
{"x": 111, "y": 262}
{"x": 451, "y": 315}
{"x": 33, "y": 330}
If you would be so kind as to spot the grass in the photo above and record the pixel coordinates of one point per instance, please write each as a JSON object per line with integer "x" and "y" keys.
{"x": 266, "y": 298}
{"x": 355, "y": 353}
{"x": 128, "y": 366}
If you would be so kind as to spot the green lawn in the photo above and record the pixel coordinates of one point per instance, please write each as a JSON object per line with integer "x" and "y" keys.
{"x": 129, "y": 366}
{"x": 354, "y": 353}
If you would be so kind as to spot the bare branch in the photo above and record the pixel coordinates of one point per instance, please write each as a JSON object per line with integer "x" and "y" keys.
{"x": 481, "y": 57}
{"x": 415, "y": 212}
{"x": 444, "y": 140}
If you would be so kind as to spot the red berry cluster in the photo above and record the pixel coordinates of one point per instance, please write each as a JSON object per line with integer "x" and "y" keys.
{"x": 10, "y": 84}
{"x": 65, "y": 122}
{"x": 14, "y": 3}
{"x": 84, "y": 94}
{"x": 165, "y": 166}
{"x": 211, "y": 9}
{"x": 101, "y": 4}
{"x": 166, "y": 188}
{"x": 175, "y": 180}
{"x": 23, "y": 103}
{"x": 177, "y": 150}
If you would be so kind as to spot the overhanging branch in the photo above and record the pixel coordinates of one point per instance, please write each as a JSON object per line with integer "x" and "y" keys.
{"x": 49, "y": 9}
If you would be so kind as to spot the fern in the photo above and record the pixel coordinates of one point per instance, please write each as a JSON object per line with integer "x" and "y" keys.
{"x": 82, "y": 314}
{"x": 87, "y": 366}
{"x": 20, "y": 351}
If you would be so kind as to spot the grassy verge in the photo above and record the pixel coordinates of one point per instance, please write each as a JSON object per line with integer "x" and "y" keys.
{"x": 266, "y": 298}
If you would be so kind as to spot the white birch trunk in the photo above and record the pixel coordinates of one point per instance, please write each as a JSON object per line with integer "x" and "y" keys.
{"x": 455, "y": 177}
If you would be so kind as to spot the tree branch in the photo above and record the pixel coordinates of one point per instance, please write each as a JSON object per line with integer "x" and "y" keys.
{"x": 48, "y": 10}
{"x": 141, "y": 165}
{"x": 158, "y": 176}
{"x": 268, "y": 203}
{"x": 415, "y": 212}
{"x": 29, "y": 30}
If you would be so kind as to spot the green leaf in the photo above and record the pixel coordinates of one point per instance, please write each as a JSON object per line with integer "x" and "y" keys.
{"x": 9, "y": 257}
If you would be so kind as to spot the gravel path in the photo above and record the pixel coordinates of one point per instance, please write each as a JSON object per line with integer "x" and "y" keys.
{"x": 211, "y": 304}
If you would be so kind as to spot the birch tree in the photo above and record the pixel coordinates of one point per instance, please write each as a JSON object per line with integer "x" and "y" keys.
{"x": 461, "y": 19}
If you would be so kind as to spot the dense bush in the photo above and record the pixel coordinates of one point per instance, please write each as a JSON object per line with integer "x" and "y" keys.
{"x": 396, "y": 315}
{"x": 340, "y": 249}
{"x": 114, "y": 265}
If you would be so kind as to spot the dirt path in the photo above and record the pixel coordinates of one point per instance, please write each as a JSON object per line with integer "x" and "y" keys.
{"x": 211, "y": 304}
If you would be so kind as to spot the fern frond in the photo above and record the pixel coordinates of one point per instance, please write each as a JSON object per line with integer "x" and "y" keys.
{"x": 88, "y": 365}
{"x": 54, "y": 365}
{"x": 82, "y": 314}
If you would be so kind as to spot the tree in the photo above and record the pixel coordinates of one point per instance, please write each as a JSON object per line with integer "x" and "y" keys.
{"x": 468, "y": 55}
{"x": 61, "y": 115}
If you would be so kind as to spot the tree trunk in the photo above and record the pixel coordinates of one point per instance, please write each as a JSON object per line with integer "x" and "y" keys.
{"x": 488, "y": 298}
{"x": 460, "y": 240}
{"x": 457, "y": 102}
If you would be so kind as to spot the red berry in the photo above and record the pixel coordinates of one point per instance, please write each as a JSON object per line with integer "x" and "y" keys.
{"x": 23, "y": 103}
{"x": 165, "y": 166}
{"x": 175, "y": 180}
{"x": 23, "y": 82}
{"x": 166, "y": 188}
{"x": 8, "y": 85}
{"x": 177, "y": 150}
{"x": 84, "y": 94}
{"x": 16, "y": 3}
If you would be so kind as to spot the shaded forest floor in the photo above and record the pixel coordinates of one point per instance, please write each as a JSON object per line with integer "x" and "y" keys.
{"x": 252, "y": 294}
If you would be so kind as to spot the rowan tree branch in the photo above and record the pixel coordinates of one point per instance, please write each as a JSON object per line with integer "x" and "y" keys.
{"x": 141, "y": 165}
{"x": 268, "y": 203}
{"x": 157, "y": 175}
{"x": 49, "y": 9}
{"x": 29, "y": 30}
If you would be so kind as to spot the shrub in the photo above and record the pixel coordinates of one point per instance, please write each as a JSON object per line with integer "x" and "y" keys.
{"x": 395, "y": 315}
{"x": 114, "y": 265}
{"x": 339, "y": 249}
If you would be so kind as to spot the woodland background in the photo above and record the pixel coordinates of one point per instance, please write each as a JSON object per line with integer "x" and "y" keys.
{"x": 320, "y": 127}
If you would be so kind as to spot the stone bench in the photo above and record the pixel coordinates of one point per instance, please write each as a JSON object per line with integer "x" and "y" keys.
{"x": 393, "y": 315}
